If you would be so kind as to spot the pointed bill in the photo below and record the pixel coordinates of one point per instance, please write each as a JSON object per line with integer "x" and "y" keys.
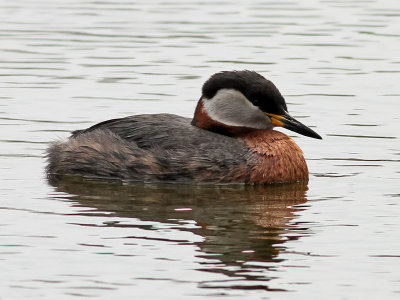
{"x": 288, "y": 122}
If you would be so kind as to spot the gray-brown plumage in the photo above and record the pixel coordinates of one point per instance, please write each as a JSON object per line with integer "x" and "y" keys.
{"x": 149, "y": 147}
{"x": 165, "y": 147}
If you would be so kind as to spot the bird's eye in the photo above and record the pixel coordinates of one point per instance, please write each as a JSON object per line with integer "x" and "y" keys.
{"x": 256, "y": 101}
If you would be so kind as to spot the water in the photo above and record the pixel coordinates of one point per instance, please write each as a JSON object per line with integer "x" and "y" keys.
{"x": 66, "y": 65}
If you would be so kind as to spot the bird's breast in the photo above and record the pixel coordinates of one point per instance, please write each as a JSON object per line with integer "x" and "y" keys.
{"x": 275, "y": 157}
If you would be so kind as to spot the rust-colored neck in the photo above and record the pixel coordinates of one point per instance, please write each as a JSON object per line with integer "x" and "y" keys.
{"x": 277, "y": 158}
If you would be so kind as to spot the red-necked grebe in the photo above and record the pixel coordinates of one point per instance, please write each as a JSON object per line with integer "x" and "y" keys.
{"x": 229, "y": 139}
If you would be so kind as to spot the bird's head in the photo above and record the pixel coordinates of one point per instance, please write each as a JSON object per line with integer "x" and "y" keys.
{"x": 237, "y": 101}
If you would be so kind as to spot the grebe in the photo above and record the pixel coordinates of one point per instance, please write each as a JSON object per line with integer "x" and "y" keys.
{"x": 229, "y": 140}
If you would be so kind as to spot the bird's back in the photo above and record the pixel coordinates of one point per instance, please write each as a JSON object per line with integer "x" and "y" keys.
{"x": 160, "y": 147}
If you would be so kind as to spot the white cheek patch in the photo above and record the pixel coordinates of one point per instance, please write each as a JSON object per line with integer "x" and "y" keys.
{"x": 232, "y": 108}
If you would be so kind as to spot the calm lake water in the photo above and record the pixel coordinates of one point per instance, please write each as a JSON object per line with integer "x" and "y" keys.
{"x": 66, "y": 65}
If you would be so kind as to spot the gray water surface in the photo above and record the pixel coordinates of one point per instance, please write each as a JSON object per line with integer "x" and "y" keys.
{"x": 65, "y": 65}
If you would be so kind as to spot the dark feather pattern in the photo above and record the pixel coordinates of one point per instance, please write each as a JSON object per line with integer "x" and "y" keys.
{"x": 150, "y": 147}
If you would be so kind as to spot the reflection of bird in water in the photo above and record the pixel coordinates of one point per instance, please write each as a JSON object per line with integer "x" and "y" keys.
{"x": 267, "y": 206}
{"x": 229, "y": 139}
{"x": 242, "y": 228}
